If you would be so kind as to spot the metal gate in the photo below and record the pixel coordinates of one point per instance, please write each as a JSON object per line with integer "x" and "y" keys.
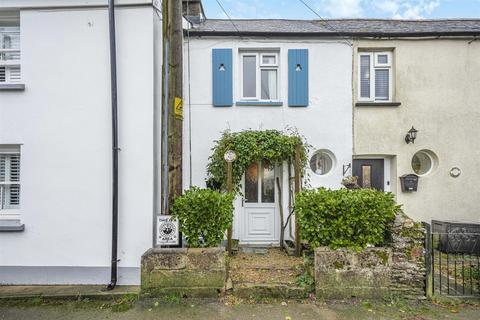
{"x": 453, "y": 262}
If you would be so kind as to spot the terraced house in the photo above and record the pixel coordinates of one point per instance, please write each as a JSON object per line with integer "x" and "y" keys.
{"x": 354, "y": 89}
{"x": 391, "y": 75}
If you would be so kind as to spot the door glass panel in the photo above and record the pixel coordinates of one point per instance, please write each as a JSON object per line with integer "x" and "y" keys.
{"x": 268, "y": 183}
{"x": 251, "y": 183}
{"x": 366, "y": 176}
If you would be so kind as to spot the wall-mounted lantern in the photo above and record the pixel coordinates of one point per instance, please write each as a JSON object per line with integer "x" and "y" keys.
{"x": 411, "y": 135}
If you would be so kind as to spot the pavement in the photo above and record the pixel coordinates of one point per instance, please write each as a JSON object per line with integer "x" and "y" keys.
{"x": 85, "y": 309}
{"x": 66, "y": 292}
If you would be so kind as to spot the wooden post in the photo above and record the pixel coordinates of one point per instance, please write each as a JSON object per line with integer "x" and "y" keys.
{"x": 172, "y": 93}
{"x": 229, "y": 189}
{"x": 298, "y": 179}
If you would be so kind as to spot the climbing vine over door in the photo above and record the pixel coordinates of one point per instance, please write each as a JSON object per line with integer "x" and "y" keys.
{"x": 253, "y": 146}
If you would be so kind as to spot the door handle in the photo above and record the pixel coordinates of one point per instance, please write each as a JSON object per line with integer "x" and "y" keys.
{"x": 243, "y": 201}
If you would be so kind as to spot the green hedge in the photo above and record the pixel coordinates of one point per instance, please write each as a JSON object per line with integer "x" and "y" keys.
{"x": 345, "y": 218}
{"x": 204, "y": 216}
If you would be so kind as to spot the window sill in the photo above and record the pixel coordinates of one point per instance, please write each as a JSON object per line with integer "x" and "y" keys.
{"x": 259, "y": 103}
{"x": 12, "y": 87}
{"x": 11, "y": 225}
{"x": 378, "y": 104}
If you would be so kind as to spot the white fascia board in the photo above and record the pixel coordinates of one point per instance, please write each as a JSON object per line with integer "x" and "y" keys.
{"x": 33, "y": 4}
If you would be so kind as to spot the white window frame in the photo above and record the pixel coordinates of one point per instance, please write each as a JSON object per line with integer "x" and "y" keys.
{"x": 374, "y": 65}
{"x": 259, "y": 66}
{"x": 10, "y": 211}
{"x": 9, "y": 64}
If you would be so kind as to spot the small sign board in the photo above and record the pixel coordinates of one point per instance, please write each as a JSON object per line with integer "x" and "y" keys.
{"x": 409, "y": 182}
{"x": 167, "y": 231}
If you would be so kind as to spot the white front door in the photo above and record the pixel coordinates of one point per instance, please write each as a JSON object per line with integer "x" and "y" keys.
{"x": 259, "y": 219}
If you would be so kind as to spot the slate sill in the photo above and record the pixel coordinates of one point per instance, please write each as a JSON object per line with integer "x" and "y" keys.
{"x": 11, "y": 226}
{"x": 259, "y": 103}
{"x": 12, "y": 87}
{"x": 378, "y": 104}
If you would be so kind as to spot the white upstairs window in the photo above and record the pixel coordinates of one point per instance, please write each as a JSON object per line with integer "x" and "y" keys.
{"x": 9, "y": 48}
{"x": 9, "y": 178}
{"x": 259, "y": 76}
{"x": 375, "y": 76}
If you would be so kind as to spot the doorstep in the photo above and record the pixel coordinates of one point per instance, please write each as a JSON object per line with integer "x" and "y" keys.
{"x": 65, "y": 291}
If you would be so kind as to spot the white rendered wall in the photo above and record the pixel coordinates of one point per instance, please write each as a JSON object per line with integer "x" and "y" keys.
{"x": 63, "y": 122}
{"x": 326, "y": 122}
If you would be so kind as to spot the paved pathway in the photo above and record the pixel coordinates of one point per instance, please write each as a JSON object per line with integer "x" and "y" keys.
{"x": 219, "y": 311}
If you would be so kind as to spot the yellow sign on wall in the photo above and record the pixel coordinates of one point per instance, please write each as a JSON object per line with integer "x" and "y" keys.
{"x": 178, "y": 108}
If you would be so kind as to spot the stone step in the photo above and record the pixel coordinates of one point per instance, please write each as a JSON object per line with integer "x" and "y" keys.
{"x": 268, "y": 290}
{"x": 259, "y": 276}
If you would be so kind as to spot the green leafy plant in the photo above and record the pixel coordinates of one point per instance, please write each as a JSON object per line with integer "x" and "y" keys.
{"x": 252, "y": 146}
{"x": 345, "y": 218}
{"x": 204, "y": 215}
{"x": 306, "y": 281}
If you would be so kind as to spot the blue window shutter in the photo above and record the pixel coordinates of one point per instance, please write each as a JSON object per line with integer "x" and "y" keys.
{"x": 222, "y": 77}
{"x": 298, "y": 77}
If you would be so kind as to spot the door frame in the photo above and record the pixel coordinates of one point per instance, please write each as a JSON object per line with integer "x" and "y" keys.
{"x": 242, "y": 224}
{"x": 387, "y": 165}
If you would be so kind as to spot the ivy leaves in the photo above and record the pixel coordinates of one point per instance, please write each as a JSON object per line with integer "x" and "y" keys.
{"x": 345, "y": 218}
{"x": 251, "y": 146}
{"x": 204, "y": 215}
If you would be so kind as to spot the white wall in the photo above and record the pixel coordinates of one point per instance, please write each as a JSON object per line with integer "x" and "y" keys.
{"x": 326, "y": 122}
{"x": 63, "y": 122}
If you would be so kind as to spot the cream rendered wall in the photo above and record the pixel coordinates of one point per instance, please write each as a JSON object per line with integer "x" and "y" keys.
{"x": 326, "y": 122}
{"x": 63, "y": 122}
{"x": 438, "y": 84}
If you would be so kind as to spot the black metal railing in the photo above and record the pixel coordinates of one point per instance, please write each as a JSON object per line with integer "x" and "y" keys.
{"x": 455, "y": 263}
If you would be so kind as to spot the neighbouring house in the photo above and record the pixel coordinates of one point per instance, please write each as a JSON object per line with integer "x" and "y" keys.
{"x": 55, "y": 139}
{"x": 424, "y": 74}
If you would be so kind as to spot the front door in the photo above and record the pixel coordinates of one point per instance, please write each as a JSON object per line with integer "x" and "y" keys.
{"x": 259, "y": 221}
{"x": 370, "y": 173}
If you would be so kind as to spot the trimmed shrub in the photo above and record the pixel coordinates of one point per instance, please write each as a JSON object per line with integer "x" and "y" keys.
{"x": 345, "y": 218}
{"x": 203, "y": 215}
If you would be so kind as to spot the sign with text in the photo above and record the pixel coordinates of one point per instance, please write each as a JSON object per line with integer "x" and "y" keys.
{"x": 167, "y": 231}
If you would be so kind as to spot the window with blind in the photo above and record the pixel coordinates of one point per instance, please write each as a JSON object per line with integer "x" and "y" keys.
{"x": 9, "y": 178}
{"x": 9, "y": 47}
{"x": 259, "y": 76}
{"x": 375, "y": 76}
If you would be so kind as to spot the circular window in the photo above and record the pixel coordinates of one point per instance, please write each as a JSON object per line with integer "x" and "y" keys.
{"x": 422, "y": 162}
{"x": 322, "y": 162}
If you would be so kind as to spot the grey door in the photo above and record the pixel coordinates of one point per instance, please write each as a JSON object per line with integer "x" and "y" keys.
{"x": 370, "y": 173}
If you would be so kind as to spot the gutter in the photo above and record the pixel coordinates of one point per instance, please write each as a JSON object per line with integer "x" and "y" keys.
{"x": 115, "y": 149}
{"x": 200, "y": 33}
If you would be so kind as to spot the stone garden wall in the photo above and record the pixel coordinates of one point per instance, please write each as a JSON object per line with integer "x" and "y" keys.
{"x": 192, "y": 272}
{"x": 375, "y": 272}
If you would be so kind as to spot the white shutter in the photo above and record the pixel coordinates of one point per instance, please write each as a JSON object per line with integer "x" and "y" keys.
{"x": 3, "y": 74}
{"x": 14, "y": 74}
{"x": 3, "y": 167}
{"x": 9, "y": 181}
